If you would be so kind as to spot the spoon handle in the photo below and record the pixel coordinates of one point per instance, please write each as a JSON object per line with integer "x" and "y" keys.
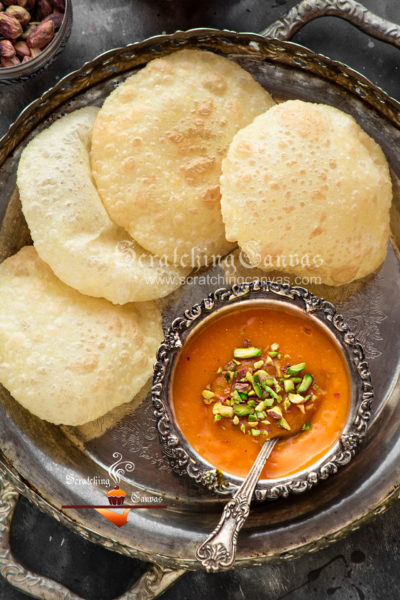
{"x": 219, "y": 549}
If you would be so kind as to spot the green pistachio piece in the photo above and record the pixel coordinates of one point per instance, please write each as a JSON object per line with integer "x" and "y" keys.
{"x": 266, "y": 422}
{"x": 236, "y": 420}
{"x": 259, "y": 364}
{"x": 260, "y": 414}
{"x": 284, "y": 424}
{"x": 217, "y": 417}
{"x": 306, "y": 427}
{"x": 305, "y": 384}
{"x": 296, "y": 369}
{"x": 229, "y": 376}
{"x": 223, "y": 410}
{"x": 269, "y": 361}
{"x": 274, "y": 347}
{"x": 275, "y": 413}
{"x": 261, "y": 405}
{"x": 257, "y": 389}
{"x": 288, "y": 385}
{"x": 296, "y": 398}
{"x": 269, "y": 402}
{"x": 270, "y": 391}
{"x": 286, "y": 404}
{"x": 272, "y": 354}
{"x": 242, "y": 411}
{"x": 236, "y": 397}
{"x": 243, "y": 428}
{"x": 252, "y": 418}
{"x": 255, "y": 432}
{"x": 249, "y": 377}
{"x": 208, "y": 396}
{"x": 260, "y": 375}
{"x": 250, "y": 352}
{"x": 237, "y": 362}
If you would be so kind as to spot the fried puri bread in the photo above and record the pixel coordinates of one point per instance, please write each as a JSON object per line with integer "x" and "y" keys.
{"x": 158, "y": 142}
{"x": 66, "y": 357}
{"x": 305, "y": 190}
{"x": 70, "y": 228}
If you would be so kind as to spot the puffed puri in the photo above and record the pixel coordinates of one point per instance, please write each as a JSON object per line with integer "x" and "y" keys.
{"x": 157, "y": 148}
{"x": 66, "y": 357}
{"x": 306, "y": 191}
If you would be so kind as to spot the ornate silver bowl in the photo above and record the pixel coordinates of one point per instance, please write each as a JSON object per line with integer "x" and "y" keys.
{"x": 184, "y": 460}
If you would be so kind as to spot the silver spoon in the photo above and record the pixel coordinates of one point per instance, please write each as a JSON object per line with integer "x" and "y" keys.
{"x": 219, "y": 549}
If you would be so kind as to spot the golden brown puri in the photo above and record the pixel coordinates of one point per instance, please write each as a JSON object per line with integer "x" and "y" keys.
{"x": 157, "y": 147}
{"x": 305, "y": 190}
{"x": 66, "y": 357}
{"x": 70, "y": 228}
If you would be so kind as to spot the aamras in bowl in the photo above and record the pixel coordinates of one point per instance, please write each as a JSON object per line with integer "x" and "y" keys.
{"x": 265, "y": 362}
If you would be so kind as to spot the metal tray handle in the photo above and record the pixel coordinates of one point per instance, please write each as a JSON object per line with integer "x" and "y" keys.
{"x": 152, "y": 583}
{"x": 350, "y": 10}
{"x": 157, "y": 579}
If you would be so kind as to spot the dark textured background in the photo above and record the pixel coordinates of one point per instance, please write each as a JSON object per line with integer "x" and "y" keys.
{"x": 366, "y": 564}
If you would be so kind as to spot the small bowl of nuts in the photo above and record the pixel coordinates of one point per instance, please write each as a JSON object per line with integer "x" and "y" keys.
{"x": 32, "y": 33}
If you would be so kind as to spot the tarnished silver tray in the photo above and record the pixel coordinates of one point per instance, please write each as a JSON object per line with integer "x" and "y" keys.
{"x": 56, "y": 466}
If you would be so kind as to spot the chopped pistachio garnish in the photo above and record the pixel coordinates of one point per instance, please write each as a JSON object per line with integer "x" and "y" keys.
{"x": 288, "y": 385}
{"x": 258, "y": 398}
{"x": 242, "y": 411}
{"x": 236, "y": 397}
{"x": 305, "y": 384}
{"x": 260, "y": 375}
{"x": 249, "y": 376}
{"x": 284, "y": 424}
{"x": 223, "y": 410}
{"x": 275, "y": 412}
{"x": 250, "y": 352}
{"x": 229, "y": 376}
{"x": 257, "y": 389}
{"x": 207, "y": 396}
{"x": 296, "y": 398}
{"x": 306, "y": 427}
{"x": 296, "y": 369}
{"x": 270, "y": 391}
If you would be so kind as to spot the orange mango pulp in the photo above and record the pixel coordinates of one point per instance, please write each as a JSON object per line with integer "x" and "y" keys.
{"x": 212, "y": 347}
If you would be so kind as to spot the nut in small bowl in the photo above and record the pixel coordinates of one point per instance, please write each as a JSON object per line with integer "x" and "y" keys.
{"x": 32, "y": 33}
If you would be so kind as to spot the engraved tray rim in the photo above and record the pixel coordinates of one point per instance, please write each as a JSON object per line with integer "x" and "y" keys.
{"x": 284, "y": 53}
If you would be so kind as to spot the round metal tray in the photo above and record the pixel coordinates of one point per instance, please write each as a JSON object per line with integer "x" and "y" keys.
{"x": 56, "y": 466}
